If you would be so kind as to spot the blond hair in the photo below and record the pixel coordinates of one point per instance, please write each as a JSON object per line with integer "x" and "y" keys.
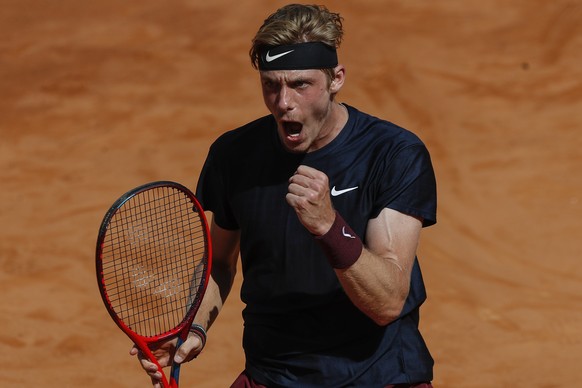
{"x": 298, "y": 23}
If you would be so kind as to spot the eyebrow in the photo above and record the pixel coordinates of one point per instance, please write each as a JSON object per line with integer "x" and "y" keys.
{"x": 290, "y": 79}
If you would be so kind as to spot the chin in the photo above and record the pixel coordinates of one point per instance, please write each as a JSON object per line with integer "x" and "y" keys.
{"x": 291, "y": 145}
{"x": 295, "y": 150}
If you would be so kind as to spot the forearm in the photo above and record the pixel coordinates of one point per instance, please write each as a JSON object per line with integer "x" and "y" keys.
{"x": 378, "y": 286}
{"x": 225, "y": 244}
{"x": 375, "y": 276}
{"x": 217, "y": 291}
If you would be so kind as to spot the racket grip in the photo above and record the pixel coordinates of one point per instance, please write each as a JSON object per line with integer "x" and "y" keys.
{"x": 175, "y": 371}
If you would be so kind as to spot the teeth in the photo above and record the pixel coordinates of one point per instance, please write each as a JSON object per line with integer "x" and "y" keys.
{"x": 293, "y": 129}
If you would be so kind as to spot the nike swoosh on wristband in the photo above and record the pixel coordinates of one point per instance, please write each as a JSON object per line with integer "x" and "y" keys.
{"x": 347, "y": 234}
{"x": 335, "y": 193}
{"x": 270, "y": 58}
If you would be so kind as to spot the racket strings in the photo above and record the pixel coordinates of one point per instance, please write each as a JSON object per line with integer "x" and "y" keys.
{"x": 153, "y": 260}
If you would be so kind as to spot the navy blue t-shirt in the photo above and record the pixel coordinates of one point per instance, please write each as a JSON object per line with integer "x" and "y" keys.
{"x": 300, "y": 327}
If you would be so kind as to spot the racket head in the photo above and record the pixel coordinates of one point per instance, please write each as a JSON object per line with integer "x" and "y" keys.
{"x": 153, "y": 261}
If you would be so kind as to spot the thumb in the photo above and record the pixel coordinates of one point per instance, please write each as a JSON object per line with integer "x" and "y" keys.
{"x": 188, "y": 350}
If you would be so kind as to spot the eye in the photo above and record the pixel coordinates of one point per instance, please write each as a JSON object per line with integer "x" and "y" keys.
{"x": 269, "y": 85}
{"x": 300, "y": 84}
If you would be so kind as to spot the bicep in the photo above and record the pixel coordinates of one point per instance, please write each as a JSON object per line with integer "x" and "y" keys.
{"x": 379, "y": 281}
{"x": 225, "y": 252}
{"x": 394, "y": 236}
{"x": 225, "y": 246}
{"x": 225, "y": 249}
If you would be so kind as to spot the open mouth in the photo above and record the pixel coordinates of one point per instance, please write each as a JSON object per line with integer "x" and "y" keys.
{"x": 292, "y": 129}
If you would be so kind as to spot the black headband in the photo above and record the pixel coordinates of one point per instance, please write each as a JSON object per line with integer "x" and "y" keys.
{"x": 300, "y": 56}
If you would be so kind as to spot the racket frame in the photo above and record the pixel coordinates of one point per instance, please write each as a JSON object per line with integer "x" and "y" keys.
{"x": 182, "y": 329}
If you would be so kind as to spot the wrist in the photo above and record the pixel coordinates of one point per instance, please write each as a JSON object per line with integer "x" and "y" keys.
{"x": 341, "y": 244}
{"x": 200, "y": 332}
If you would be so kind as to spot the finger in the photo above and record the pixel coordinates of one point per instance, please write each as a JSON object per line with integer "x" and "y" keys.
{"x": 144, "y": 361}
{"x": 310, "y": 179}
{"x": 314, "y": 195}
{"x": 300, "y": 180}
{"x": 156, "y": 383}
{"x": 133, "y": 351}
{"x": 302, "y": 185}
{"x": 291, "y": 200}
{"x": 307, "y": 171}
{"x": 153, "y": 370}
{"x": 297, "y": 189}
{"x": 149, "y": 367}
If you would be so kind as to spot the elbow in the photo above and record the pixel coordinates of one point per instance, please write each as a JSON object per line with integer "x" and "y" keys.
{"x": 385, "y": 314}
{"x": 384, "y": 318}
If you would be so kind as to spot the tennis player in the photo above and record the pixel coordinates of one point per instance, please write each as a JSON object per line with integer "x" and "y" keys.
{"x": 325, "y": 205}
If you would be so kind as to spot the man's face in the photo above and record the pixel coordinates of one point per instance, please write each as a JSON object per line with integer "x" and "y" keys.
{"x": 301, "y": 102}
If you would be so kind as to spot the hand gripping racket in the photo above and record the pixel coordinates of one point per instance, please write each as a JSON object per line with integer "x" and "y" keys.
{"x": 153, "y": 262}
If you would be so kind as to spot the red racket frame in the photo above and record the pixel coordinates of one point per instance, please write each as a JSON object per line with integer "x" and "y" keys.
{"x": 182, "y": 329}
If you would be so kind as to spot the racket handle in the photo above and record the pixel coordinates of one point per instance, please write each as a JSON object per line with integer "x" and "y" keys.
{"x": 175, "y": 371}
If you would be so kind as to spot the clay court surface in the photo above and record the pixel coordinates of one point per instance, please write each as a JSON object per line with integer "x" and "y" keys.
{"x": 97, "y": 97}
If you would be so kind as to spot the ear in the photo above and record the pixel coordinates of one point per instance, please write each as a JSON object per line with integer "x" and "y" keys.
{"x": 338, "y": 81}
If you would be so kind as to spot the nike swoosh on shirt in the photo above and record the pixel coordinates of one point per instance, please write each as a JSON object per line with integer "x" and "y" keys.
{"x": 335, "y": 192}
{"x": 270, "y": 58}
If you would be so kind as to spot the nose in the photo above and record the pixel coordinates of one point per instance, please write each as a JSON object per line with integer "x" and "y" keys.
{"x": 285, "y": 99}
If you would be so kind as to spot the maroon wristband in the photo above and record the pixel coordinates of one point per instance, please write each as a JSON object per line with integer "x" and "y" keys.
{"x": 341, "y": 244}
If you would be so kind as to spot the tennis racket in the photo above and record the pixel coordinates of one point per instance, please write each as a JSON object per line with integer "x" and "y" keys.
{"x": 153, "y": 262}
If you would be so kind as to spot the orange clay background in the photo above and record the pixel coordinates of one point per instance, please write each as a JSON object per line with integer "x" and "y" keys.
{"x": 97, "y": 97}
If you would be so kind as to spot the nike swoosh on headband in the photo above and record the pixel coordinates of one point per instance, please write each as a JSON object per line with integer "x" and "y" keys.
{"x": 335, "y": 192}
{"x": 270, "y": 58}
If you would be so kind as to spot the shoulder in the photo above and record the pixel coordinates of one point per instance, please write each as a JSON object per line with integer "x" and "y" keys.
{"x": 248, "y": 133}
{"x": 382, "y": 135}
{"x": 237, "y": 148}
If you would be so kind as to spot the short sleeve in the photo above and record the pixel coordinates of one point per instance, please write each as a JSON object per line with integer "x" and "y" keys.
{"x": 409, "y": 185}
{"x": 212, "y": 191}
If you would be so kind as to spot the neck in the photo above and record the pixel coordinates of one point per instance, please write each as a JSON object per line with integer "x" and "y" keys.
{"x": 333, "y": 125}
